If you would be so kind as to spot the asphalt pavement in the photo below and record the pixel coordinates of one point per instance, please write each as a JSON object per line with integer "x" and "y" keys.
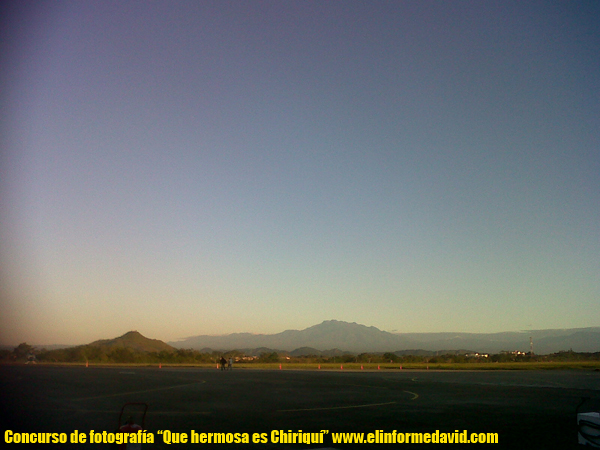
{"x": 528, "y": 409}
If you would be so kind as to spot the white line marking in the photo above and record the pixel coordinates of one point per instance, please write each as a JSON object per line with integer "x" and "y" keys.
{"x": 336, "y": 407}
{"x": 415, "y": 396}
{"x": 137, "y": 392}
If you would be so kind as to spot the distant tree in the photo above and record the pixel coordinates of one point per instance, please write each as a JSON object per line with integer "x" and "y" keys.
{"x": 184, "y": 355}
{"x": 235, "y": 354}
{"x": 94, "y": 353}
{"x": 76, "y": 354}
{"x": 390, "y": 357}
{"x": 411, "y": 359}
{"x": 365, "y": 357}
{"x": 23, "y": 350}
{"x": 6, "y": 355}
{"x": 348, "y": 358}
{"x": 122, "y": 355}
{"x": 458, "y": 359}
{"x": 502, "y": 357}
{"x": 268, "y": 357}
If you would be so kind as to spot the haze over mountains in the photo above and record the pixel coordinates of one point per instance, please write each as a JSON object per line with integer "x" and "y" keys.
{"x": 332, "y": 338}
{"x": 357, "y": 338}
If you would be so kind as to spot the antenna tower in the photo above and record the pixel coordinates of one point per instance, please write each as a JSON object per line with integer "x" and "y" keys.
{"x": 531, "y": 345}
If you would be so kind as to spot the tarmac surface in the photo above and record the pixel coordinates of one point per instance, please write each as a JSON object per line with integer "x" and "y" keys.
{"x": 528, "y": 409}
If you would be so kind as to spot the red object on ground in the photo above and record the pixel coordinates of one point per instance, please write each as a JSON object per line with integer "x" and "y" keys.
{"x": 129, "y": 426}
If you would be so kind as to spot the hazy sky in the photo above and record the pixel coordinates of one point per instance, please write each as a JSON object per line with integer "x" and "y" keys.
{"x": 208, "y": 167}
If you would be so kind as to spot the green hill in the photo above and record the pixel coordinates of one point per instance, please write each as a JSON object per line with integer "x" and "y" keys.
{"x": 132, "y": 347}
{"x": 134, "y": 341}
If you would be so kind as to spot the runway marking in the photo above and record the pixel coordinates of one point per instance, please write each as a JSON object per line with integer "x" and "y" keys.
{"x": 366, "y": 385}
{"x": 415, "y": 396}
{"x": 137, "y": 392}
{"x": 337, "y": 407}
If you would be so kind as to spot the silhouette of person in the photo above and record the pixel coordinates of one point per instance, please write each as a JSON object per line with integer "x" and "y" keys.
{"x": 223, "y": 362}
{"x": 230, "y": 364}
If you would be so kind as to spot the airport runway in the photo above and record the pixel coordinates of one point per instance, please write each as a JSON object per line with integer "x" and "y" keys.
{"x": 528, "y": 409}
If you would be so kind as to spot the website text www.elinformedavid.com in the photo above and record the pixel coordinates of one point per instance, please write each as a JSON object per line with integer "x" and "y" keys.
{"x": 274, "y": 437}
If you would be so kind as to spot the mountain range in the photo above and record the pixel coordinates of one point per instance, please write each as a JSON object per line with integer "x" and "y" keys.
{"x": 357, "y": 338}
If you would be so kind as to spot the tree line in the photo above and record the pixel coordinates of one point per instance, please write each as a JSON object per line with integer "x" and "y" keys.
{"x": 97, "y": 354}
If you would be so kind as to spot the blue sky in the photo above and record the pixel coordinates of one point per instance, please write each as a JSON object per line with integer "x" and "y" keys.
{"x": 184, "y": 168}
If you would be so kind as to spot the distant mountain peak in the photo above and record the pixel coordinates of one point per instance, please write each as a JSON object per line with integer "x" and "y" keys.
{"x": 358, "y": 338}
{"x": 135, "y": 341}
{"x": 132, "y": 334}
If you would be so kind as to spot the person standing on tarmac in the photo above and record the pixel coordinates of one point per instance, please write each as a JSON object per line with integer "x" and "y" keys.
{"x": 223, "y": 362}
{"x": 230, "y": 364}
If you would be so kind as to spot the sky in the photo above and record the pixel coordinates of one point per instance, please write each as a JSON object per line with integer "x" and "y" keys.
{"x": 209, "y": 167}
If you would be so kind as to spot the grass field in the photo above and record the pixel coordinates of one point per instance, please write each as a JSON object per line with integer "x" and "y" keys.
{"x": 585, "y": 365}
{"x": 581, "y": 365}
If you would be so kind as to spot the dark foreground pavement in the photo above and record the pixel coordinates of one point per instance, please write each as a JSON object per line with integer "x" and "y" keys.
{"x": 528, "y": 409}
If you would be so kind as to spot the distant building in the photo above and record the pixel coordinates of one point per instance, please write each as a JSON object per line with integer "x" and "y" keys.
{"x": 477, "y": 355}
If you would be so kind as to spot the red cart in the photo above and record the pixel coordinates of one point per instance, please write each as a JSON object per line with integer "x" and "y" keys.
{"x": 130, "y": 426}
